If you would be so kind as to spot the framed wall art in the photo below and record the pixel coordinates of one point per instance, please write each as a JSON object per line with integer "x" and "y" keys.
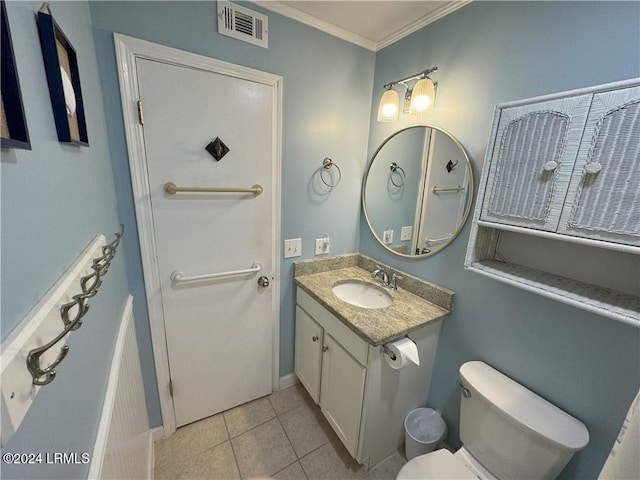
{"x": 63, "y": 78}
{"x": 14, "y": 123}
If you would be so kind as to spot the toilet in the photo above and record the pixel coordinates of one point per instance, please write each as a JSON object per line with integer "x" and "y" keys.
{"x": 507, "y": 432}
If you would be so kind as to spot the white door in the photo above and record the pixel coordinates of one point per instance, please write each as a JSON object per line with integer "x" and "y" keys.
{"x": 444, "y": 210}
{"x": 219, "y": 331}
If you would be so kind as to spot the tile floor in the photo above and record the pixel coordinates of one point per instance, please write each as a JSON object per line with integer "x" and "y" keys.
{"x": 282, "y": 436}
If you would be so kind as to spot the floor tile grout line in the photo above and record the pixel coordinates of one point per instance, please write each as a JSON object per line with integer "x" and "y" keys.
{"x": 310, "y": 407}
{"x": 233, "y": 451}
{"x": 288, "y": 439}
{"x": 282, "y": 469}
{"x": 305, "y": 404}
{"x": 254, "y": 427}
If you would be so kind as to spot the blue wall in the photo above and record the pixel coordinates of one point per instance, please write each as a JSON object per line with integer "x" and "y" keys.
{"x": 55, "y": 199}
{"x": 489, "y": 53}
{"x": 326, "y": 105}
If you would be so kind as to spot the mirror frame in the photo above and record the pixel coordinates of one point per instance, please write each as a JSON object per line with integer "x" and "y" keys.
{"x": 465, "y": 217}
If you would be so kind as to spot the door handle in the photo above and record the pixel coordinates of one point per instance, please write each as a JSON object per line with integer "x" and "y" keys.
{"x": 263, "y": 281}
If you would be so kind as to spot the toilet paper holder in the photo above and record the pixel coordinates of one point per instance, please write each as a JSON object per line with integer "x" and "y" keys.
{"x": 391, "y": 354}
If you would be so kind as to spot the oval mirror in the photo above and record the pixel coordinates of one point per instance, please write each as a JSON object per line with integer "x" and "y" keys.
{"x": 417, "y": 191}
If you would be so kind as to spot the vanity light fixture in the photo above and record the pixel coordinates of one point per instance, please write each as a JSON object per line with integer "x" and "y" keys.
{"x": 388, "y": 109}
{"x": 417, "y": 100}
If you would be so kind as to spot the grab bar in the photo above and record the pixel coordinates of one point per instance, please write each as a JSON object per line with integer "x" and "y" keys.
{"x": 178, "y": 277}
{"x": 453, "y": 189}
{"x": 436, "y": 240}
{"x": 171, "y": 188}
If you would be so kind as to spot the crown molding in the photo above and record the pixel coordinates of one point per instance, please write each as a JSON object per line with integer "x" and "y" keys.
{"x": 315, "y": 22}
{"x": 331, "y": 29}
{"x": 421, "y": 22}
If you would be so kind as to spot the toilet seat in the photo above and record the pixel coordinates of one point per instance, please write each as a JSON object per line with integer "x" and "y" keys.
{"x": 441, "y": 464}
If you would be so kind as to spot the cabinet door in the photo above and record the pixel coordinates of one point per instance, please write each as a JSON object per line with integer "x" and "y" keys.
{"x": 534, "y": 151}
{"x": 308, "y": 356}
{"x": 603, "y": 201}
{"x": 342, "y": 392}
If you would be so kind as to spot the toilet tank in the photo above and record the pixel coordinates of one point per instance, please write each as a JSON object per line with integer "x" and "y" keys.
{"x": 510, "y": 430}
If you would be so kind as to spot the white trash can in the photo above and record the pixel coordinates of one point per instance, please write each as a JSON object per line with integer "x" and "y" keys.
{"x": 424, "y": 428}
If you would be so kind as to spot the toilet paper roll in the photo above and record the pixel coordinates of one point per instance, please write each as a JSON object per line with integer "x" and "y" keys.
{"x": 404, "y": 350}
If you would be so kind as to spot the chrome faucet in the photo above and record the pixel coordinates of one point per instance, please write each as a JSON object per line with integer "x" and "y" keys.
{"x": 384, "y": 278}
{"x": 394, "y": 280}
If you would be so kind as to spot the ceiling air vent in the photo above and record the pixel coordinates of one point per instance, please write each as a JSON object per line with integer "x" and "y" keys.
{"x": 244, "y": 24}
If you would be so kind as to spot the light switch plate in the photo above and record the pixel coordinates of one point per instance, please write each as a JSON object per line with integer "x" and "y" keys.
{"x": 322, "y": 245}
{"x": 292, "y": 247}
{"x": 405, "y": 233}
{"x": 387, "y": 237}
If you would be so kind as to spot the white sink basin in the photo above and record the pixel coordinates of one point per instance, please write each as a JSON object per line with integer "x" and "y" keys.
{"x": 362, "y": 294}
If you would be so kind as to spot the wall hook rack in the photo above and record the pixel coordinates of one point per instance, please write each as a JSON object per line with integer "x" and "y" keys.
{"x": 72, "y": 314}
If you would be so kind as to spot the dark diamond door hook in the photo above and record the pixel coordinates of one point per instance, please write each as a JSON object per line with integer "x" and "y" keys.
{"x": 217, "y": 149}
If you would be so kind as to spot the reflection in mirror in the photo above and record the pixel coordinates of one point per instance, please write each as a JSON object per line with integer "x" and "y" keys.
{"x": 417, "y": 191}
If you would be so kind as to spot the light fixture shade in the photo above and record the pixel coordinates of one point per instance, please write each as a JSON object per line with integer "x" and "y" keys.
{"x": 423, "y": 97}
{"x": 389, "y": 106}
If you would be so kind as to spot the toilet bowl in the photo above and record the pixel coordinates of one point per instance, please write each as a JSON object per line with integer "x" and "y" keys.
{"x": 507, "y": 432}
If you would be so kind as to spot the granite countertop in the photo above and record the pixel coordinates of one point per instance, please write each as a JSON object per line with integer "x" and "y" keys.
{"x": 409, "y": 310}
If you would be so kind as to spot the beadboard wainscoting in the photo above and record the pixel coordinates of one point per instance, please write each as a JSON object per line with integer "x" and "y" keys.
{"x": 124, "y": 446}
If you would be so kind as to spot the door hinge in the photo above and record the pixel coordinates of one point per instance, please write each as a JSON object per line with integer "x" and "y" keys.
{"x": 171, "y": 388}
{"x": 140, "y": 113}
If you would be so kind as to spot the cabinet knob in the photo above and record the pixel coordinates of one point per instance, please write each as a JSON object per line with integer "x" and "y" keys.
{"x": 593, "y": 167}
{"x": 325, "y": 348}
{"x": 314, "y": 338}
{"x": 550, "y": 166}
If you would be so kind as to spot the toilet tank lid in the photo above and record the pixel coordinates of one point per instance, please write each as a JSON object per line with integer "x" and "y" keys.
{"x": 525, "y": 407}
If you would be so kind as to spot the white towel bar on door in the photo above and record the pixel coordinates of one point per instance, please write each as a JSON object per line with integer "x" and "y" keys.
{"x": 178, "y": 277}
{"x": 171, "y": 188}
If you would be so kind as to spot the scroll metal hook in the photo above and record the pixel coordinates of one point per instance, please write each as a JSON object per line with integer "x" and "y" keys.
{"x": 97, "y": 283}
{"x": 79, "y": 301}
{"x": 33, "y": 363}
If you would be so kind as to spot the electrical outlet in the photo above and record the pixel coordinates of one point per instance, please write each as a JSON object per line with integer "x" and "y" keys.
{"x": 292, "y": 247}
{"x": 322, "y": 245}
{"x": 387, "y": 237}
{"x": 405, "y": 233}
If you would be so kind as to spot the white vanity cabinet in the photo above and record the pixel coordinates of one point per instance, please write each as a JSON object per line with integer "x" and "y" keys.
{"x": 362, "y": 398}
{"x": 330, "y": 361}
{"x": 308, "y": 357}
{"x": 342, "y": 392}
{"x": 565, "y": 168}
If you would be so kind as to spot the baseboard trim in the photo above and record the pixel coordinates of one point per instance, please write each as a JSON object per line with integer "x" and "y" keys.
{"x": 287, "y": 381}
{"x": 157, "y": 433}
